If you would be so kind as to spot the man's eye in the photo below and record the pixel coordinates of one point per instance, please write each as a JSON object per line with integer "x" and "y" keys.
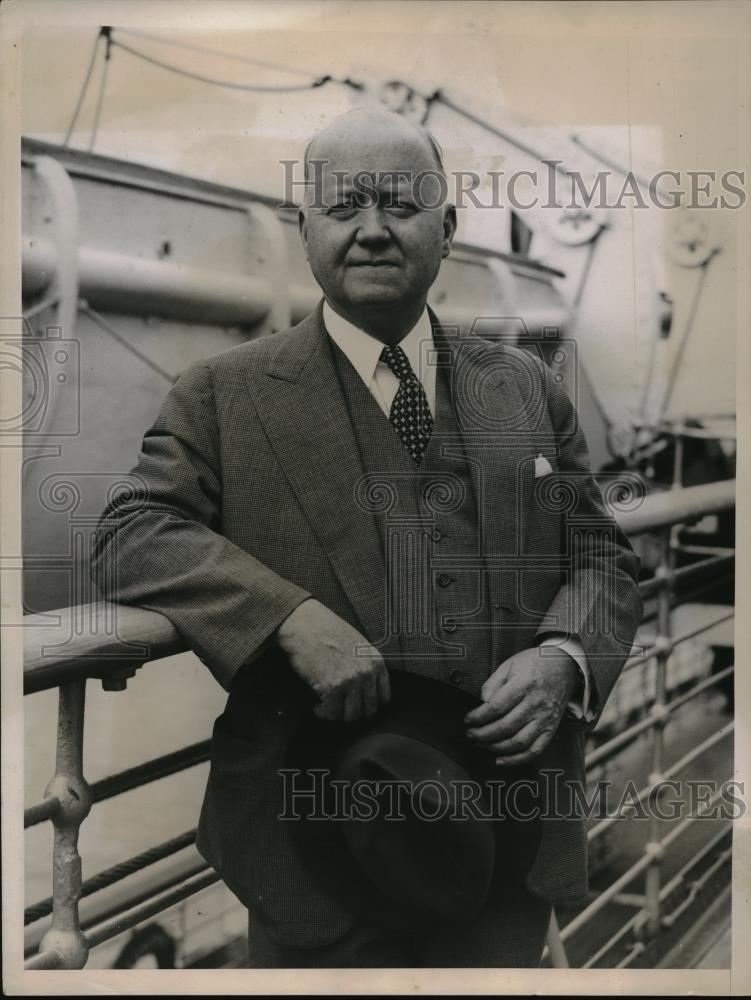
{"x": 400, "y": 207}
{"x": 342, "y": 208}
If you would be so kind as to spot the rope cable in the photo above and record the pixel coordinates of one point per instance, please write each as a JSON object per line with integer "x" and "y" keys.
{"x": 606, "y": 161}
{"x": 502, "y": 133}
{"x": 102, "y": 86}
{"x": 84, "y": 88}
{"x": 255, "y": 88}
{"x": 206, "y": 50}
{"x": 37, "y": 307}
{"x": 104, "y": 325}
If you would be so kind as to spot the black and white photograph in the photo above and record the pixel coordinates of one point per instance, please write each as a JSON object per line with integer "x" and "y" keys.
{"x": 374, "y": 380}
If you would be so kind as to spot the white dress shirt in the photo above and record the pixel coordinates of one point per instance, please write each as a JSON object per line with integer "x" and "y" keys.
{"x": 364, "y": 354}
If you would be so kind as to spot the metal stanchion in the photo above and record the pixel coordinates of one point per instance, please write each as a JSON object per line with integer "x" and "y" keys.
{"x": 654, "y": 848}
{"x": 64, "y": 943}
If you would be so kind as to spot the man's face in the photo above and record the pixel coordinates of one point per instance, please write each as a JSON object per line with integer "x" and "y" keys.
{"x": 372, "y": 242}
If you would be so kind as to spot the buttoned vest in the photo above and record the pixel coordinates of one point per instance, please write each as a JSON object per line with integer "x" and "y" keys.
{"x": 435, "y": 589}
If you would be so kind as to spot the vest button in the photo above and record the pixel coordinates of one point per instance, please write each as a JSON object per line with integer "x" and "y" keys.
{"x": 443, "y": 580}
{"x": 436, "y": 536}
{"x": 449, "y": 625}
{"x": 457, "y": 676}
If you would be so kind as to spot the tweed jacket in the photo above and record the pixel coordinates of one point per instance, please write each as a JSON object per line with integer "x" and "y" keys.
{"x": 243, "y": 507}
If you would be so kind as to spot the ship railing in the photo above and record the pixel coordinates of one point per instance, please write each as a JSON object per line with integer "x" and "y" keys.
{"x": 67, "y": 648}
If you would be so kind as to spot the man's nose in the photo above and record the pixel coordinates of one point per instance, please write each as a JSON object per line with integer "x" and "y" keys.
{"x": 371, "y": 227}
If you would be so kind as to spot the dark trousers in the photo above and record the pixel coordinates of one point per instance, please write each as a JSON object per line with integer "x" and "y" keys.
{"x": 509, "y": 933}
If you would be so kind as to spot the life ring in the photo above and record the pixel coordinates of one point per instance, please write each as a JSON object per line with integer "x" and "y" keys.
{"x": 151, "y": 940}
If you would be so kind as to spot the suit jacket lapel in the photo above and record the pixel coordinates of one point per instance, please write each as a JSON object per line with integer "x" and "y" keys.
{"x": 301, "y": 405}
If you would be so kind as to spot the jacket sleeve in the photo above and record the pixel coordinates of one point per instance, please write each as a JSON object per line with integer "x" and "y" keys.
{"x": 598, "y": 603}
{"x": 159, "y": 545}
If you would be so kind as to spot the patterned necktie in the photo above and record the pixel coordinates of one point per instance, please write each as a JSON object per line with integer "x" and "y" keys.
{"x": 410, "y": 414}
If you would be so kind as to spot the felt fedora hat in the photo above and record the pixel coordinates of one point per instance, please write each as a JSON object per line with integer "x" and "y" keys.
{"x": 407, "y": 817}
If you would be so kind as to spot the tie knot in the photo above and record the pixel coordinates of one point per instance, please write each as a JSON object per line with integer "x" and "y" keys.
{"x": 398, "y": 362}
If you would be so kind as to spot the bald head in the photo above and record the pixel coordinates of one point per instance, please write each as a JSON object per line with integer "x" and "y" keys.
{"x": 366, "y": 138}
{"x": 372, "y": 125}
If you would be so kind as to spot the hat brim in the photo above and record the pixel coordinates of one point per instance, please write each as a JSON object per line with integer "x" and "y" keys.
{"x": 440, "y": 868}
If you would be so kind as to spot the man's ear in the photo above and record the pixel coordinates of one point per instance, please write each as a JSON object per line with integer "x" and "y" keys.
{"x": 302, "y": 224}
{"x": 449, "y": 230}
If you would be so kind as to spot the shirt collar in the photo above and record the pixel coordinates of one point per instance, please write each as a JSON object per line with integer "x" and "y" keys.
{"x": 364, "y": 351}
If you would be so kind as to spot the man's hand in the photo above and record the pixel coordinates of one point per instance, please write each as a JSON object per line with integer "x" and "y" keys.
{"x": 523, "y": 703}
{"x": 345, "y": 671}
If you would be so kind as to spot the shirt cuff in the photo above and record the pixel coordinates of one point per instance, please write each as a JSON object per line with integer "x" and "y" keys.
{"x": 579, "y": 706}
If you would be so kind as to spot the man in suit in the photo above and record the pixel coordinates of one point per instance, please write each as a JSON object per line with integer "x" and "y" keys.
{"x": 369, "y": 492}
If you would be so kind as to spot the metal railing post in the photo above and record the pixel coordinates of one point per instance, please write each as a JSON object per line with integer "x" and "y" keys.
{"x": 664, "y": 648}
{"x": 678, "y": 457}
{"x": 72, "y": 793}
